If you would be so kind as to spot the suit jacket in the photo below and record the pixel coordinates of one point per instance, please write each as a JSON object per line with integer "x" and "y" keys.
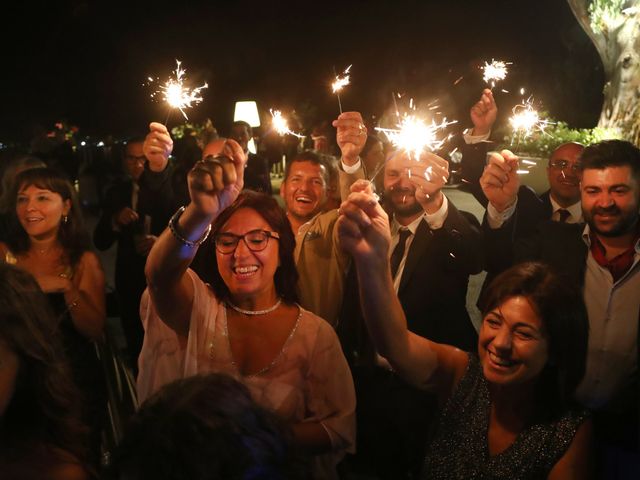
{"x": 432, "y": 290}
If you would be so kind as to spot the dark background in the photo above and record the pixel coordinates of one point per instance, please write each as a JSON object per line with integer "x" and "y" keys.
{"x": 85, "y": 62}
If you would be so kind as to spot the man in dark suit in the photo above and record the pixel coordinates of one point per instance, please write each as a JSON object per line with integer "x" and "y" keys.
{"x": 136, "y": 209}
{"x": 603, "y": 258}
{"x": 257, "y": 175}
{"x": 435, "y": 249}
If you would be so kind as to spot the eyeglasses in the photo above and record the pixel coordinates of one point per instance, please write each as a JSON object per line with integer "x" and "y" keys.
{"x": 256, "y": 241}
{"x": 136, "y": 158}
{"x": 564, "y": 164}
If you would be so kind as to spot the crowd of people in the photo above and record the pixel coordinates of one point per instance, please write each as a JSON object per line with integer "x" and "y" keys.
{"x": 322, "y": 331}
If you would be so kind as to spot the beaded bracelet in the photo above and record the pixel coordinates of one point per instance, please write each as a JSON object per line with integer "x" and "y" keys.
{"x": 172, "y": 226}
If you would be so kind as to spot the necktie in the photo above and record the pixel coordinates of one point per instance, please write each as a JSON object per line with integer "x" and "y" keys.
{"x": 398, "y": 252}
{"x": 563, "y": 215}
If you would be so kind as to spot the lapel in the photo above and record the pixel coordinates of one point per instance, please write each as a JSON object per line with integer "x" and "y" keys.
{"x": 419, "y": 245}
{"x": 546, "y": 202}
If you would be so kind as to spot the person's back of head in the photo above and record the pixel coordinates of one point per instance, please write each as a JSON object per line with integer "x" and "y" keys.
{"x": 203, "y": 427}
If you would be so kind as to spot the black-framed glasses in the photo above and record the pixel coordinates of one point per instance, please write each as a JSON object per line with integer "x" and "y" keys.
{"x": 564, "y": 164}
{"x": 256, "y": 240}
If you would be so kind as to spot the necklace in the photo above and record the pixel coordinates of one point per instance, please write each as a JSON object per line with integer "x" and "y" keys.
{"x": 255, "y": 312}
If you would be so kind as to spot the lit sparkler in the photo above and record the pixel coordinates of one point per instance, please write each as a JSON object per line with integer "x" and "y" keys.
{"x": 526, "y": 120}
{"x": 340, "y": 82}
{"x": 414, "y": 135}
{"x": 280, "y": 124}
{"x": 176, "y": 94}
{"x": 494, "y": 71}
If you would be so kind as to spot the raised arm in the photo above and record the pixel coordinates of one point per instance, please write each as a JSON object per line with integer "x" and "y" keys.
{"x": 351, "y": 135}
{"x": 364, "y": 233}
{"x": 213, "y": 185}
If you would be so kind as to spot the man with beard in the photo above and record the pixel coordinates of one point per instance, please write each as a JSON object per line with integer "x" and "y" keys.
{"x": 603, "y": 257}
{"x": 434, "y": 248}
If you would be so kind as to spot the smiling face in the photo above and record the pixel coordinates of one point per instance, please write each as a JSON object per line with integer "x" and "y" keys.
{"x": 512, "y": 344}
{"x": 248, "y": 274}
{"x": 40, "y": 211}
{"x": 610, "y": 200}
{"x": 304, "y": 191}
{"x": 398, "y": 189}
{"x": 564, "y": 183}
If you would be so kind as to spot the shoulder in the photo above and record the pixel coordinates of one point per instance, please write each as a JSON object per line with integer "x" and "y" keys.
{"x": 316, "y": 328}
{"x": 89, "y": 259}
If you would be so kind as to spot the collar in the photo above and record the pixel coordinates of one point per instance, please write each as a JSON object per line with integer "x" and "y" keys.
{"x": 587, "y": 236}
{"x": 413, "y": 226}
{"x": 575, "y": 209}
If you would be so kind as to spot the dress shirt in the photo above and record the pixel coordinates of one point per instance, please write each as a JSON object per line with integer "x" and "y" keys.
{"x": 575, "y": 211}
{"x": 612, "y": 306}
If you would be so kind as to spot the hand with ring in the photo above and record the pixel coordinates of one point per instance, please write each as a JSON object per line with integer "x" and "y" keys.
{"x": 351, "y": 136}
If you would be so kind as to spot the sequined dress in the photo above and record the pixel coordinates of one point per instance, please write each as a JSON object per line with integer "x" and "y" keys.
{"x": 460, "y": 450}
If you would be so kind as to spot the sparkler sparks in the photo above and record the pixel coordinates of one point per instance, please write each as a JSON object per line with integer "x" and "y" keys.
{"x": 280, "y": 124}
{"x": 176, "y": 94}
{"x": 414, "y": 135}
{"x": 494, "y": 71}
{"x": 526, "y": 120}
{"x": 340, "y": 82}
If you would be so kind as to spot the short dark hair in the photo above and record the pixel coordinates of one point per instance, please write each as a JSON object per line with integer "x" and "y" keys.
{"x": 561, "y": 308}
{"x": 612, "y": 153}
{"x": 308, "y": 156}
{"x": 72, "y": 234}
{"x": 204, "y": 427}
{"x": 242, "y": 123}
{"x": 286, "y": 276}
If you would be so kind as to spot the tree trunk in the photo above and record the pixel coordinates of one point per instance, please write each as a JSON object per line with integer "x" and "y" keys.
{"x": 619, "y": 47}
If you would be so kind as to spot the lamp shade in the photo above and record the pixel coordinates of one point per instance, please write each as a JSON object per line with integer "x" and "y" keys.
{"x": 247, "y": 111}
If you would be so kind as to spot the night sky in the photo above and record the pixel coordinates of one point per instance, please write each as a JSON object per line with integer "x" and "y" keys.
{"x": 85, "y": 62}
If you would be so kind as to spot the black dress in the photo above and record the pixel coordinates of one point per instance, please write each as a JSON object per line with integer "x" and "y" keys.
{"x": 460, "y": 450}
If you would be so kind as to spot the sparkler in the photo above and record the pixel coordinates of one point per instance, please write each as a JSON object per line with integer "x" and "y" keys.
{"x": 414, "y": 135}
{"x": 280, "y": 124}
{"x": 494, "y": 71}
{"x": 526, "y": 120}
{"x": 176, "y": 94}
{"x": 340, "y": 82}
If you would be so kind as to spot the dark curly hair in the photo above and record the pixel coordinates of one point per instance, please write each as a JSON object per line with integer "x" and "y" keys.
{"x": 72, "y": 234}
{"x": 204, "y": 427}
{"x": 563, "y": 313}
{"x": 46, "y": 406}
{"x": 286, "y": 276}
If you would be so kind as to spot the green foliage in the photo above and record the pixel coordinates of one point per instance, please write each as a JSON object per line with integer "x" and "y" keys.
{"x": 605, "y": 14}
{"x": 541, "y": 144}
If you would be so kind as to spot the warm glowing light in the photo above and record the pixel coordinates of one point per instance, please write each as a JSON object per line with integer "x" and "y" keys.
{"x": 341, "y": 81}
{"x": 281, "y": 125}
{"x": 494, "y": 71}
{"x": 176, "y": 94}
{"x": 526, "y": 120}
{"x": 414, "y": 135}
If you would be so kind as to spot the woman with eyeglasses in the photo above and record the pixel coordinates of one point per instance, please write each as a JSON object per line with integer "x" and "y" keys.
{"x": 246, "y": 323}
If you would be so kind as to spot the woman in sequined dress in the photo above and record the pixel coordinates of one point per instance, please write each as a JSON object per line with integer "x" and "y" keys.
{"x": 507, "y": 410}
{"x": 247, "y": 323}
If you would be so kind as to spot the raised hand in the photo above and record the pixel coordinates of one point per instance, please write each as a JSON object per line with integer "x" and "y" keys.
{"x": 483, "y": 113}
{"x": 216, "y": 181}
{"x": 499, "y": 181}
{"x": 363, "y": 226}
{"x": 351, "y": 135}
{"x": 157, "y": 146}
{"x": 429, "y": 174}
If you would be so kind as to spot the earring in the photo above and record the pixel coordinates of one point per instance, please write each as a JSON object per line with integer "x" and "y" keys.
{"x": 65, "y": 219}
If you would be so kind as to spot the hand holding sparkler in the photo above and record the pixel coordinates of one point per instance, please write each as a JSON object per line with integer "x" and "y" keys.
{"x": 429, "y": 174}
{"x": 363, "y": 227}
{"x": 483, "y": 113}
{"x": 500, "y": 181}
{"x": 157, "y": 146}
{"x": 351, "y": 136}
{"x": 216, "y": 180}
